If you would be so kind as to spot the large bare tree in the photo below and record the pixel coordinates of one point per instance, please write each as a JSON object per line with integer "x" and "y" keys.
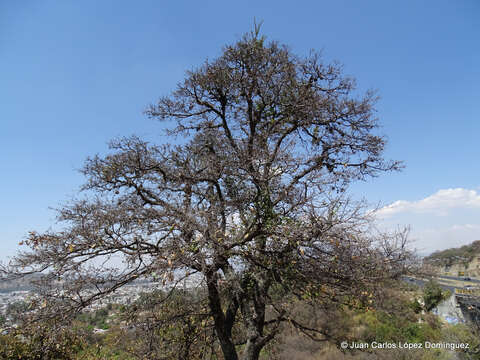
{"x": 250, "y": 202}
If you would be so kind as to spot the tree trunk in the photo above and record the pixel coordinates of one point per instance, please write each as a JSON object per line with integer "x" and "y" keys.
{"x": 222, "y": 329}
{"x": 251, "y": 351}
{"x": 228, "y": 350}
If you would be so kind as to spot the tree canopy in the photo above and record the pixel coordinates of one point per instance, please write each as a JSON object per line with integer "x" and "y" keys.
{"x": 250, "y": 204}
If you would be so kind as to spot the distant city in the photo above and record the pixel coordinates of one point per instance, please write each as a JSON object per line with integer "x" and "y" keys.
{"x": 20, "y": 292}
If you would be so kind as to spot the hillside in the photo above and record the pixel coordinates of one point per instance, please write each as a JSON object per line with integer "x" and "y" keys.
{"x": 463, "y": 254}
{"x": 461, "y": 261}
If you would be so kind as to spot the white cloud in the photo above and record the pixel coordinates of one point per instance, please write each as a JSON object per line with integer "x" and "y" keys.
{"x": 445, "y": 219}
{"x": 440, "y": 238}
{"x": 441, "y": 203}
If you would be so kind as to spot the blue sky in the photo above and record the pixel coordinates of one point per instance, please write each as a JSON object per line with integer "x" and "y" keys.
{"x": 75, "y": 74}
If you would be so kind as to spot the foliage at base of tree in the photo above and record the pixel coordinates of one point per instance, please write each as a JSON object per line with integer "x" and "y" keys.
{"x": 390, "y": 318}
{"x": 382, "y": 325}
{"x": 40, "y": 342}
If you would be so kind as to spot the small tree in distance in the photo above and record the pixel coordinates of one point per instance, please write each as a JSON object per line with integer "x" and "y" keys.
{"x": 252, "y": 204}
{"x": 433, "y": 295}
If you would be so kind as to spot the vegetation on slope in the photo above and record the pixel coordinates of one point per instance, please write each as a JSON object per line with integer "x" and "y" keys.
{"x": 450, "y": 256}
{"x": 394, "y": 317}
